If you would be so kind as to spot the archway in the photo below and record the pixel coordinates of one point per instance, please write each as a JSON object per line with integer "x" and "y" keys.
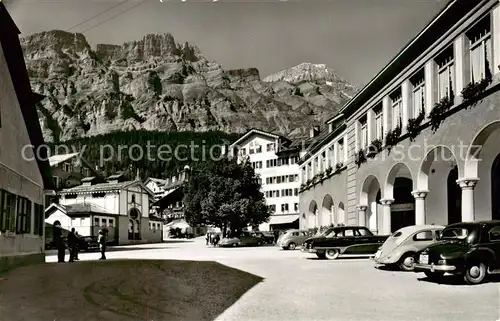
{"x": 370, "y": 197}
{"x": 438, "y": 176}
{"x": 454, "y": 196}
{"x": 134, "y": 226}
{"x": 341, "y": 214}
{"x": 495, "y": 189}
{"x": 481, "y": 163}
{"x": 312, "y": 217}
{"x": 327, "y": 216}
{"x": 399, "y": 185}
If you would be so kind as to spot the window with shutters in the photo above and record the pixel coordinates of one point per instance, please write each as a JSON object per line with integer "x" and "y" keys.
{"x": 480, "y": 49}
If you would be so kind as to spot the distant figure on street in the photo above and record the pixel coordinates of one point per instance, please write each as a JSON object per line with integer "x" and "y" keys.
{"x": 77, "y": 246}
{"x": 59, "y": 242}
{"x": 207, "y": 238}
{"x": 276, "y": 235}
{"x": 216, "y": 239}
{"x": 102, "y": 244}
{"x": 72, "y": 244}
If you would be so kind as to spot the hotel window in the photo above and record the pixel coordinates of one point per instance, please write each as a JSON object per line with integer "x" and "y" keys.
{"x": 270, "y": 147}
{"x": 8, "y": 213}
{"x": 103, "y": 222}
{"x": 379, "y": 121}
{"x": 258, "y": 149}
{"x": 243, "y": 152}
{"x": 363, "y": 143}
{"x": 39, "y": 221}
{"x": 96, "y": 221}
{"x": 418, "y": 93}
{"x": 480, "y": 49}
{"x": 445, "y": 73}
{"x": 341, "y": 155}
{"x": 295, "y": 192}
{"x": 284, "y": 208}
{"x": 272, "y": 208}
{"x": 397, "y": 108}
{"x": 296, "y": 207}
{"x": 331, "y": 152}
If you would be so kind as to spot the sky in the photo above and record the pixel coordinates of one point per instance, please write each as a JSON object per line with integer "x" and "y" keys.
{"x": 357, "y": 38}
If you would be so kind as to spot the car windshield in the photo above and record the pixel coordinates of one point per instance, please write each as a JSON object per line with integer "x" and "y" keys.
{"x": 329, "y": 233}
{"x": 467, "y": 233}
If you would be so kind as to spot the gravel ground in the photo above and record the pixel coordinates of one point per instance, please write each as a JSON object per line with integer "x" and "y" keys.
{"x": 295, "y": 286}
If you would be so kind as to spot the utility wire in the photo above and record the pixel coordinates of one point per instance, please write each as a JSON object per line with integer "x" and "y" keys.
{"x": 112, "y": 17}
{"x": 97, "y": 15}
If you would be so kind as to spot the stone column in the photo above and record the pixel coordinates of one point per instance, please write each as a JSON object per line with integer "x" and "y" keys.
{"x": 467, "y": 185}
{"x": 335, "y": 154}
{"x": 462, "y": 64}
{"x": 419, "y": 206}
{"x": 327, "y": 157}
{"x": 430, "y": 85}
{"x": 387, "y": 115}
{"x": 362, "y": 215}
{"x": 370, "y": 126}
{"x": 386, "y": 215}
{"x": 406, "y": 99}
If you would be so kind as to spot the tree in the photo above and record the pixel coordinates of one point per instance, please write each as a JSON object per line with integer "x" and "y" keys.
{"x": 225, "y": 194}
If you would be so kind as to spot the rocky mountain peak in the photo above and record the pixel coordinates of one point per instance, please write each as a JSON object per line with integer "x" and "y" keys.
{"x": 156, "y": 83}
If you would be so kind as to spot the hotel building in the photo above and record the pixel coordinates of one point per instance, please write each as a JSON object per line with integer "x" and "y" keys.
{"x": 417, "y": 145}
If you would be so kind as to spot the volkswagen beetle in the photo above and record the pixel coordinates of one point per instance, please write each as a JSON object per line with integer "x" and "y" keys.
{"x": 401, "y": 248}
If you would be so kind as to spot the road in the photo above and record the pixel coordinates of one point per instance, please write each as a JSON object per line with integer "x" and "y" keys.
{"x": 297, "y": 286}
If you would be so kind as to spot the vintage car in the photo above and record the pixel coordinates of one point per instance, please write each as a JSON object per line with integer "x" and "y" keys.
{"x": 267, "y": 236}
{"x": 292, "y": 238}
{"x": 471, "y": 250}
{"x": 244, "y": 239}
{"x": 341, "y": 240}
{"x": 401, "y": 248}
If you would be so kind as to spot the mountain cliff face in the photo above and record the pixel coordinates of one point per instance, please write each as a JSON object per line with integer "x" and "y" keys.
{"x": 158, "y": 84}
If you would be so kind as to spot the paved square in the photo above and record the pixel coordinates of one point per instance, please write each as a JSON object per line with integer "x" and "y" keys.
{"x": 297, "y": 286}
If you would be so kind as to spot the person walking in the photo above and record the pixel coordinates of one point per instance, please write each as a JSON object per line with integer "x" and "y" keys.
{"x": 78, "y": 244}
{"x": 207, "y": 238}
{"x": 72, "y": 244}
{"x": 59, "y": 242}
{"x": 102, "y": 244}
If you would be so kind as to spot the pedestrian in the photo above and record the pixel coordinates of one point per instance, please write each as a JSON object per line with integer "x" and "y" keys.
{"x": 276, "y": 235}
{"x": 216, "y": 240}
{"x": 72, "y": 244}
{"x": 102, "y": 244}
{"x": 207, "y": 238}
{"x": 78, "y": 244}
{"x": 59, "y": 242}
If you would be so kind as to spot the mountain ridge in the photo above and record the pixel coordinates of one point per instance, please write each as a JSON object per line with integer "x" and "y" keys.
{"x": 157, "y": 83}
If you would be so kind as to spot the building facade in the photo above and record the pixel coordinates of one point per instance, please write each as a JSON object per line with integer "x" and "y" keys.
{"x": 120, "y": 206}
{"x": 421, "y": 136}
{"x": 25, "y": 178}
{"x": 274, "y": 159}
{"x": 69, "y": 169}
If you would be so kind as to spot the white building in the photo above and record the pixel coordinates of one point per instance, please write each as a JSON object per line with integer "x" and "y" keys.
{"x": 274, "y": 159}
{"x": 120, "y": 206}
{"x": 25, "y": 178}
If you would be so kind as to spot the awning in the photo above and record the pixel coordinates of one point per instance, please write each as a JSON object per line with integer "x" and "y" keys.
{"x": 283, "y": 219}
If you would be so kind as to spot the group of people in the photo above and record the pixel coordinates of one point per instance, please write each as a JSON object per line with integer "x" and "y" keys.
{"x": 74, "y": 243}
{"x": 212, "y": 238}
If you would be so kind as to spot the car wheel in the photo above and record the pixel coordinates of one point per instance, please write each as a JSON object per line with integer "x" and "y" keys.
{"x": 475, "y": 273}
{"x": 407, "y": 262}
{"x": 434, "y": 275}
{"x": 292, "y": 246}
{"x": 332, "y": 254}
{"x": 320, "y": 255}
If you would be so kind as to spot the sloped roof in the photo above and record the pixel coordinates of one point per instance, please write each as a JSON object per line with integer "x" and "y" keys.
{"x": 57, "y": 159}
{"x": 257, "y": 131}
{"x": 9, "y": 40}
{"x": 102, "y": 187}
{"x": 78, "y": 208}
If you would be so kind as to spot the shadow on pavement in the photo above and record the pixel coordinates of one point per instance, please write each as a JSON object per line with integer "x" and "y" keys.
{"x": 123, "y": 290}
{"x": 340, "y": 258}
{"x": 456, "y": 280}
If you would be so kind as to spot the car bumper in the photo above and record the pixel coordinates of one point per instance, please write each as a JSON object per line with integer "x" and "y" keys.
{"x": 309, "y": 250}
{"x": 433, "y": 267}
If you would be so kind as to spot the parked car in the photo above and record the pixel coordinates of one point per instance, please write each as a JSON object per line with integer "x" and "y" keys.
{"x": 401, "y": 248}
{"x": 344, "y": 240}
{"x": 471, "y": 250}
{"x": 244, "y": 239}
{"x": 267, "y": 236}
{"x": 88, "y": 243}
{"x": 292, "y": 238}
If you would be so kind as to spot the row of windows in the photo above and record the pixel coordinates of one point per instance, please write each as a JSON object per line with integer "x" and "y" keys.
{"x": 104, "y": 222}
{"x": 480, "y": 66}
{"x": 257, "y": 165}
{"x": 155, "y": 226}
{"x": 283, "y": 193}
{"x": 282, "y": 179}
{"x": 16, "y": 215}
{"x": 285, "y": 207}
{"x": 257, "y": 149}
{"x": 328, "y": 158}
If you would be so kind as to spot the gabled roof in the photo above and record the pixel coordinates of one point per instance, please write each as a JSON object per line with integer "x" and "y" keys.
{"x": 9, "y": 40}
{"x": 77, "y": 208}
{"x": 443, "y": 21}
{"x": 103, "y": 187}
{"x": 57, "y": 159}
{"x": 255, "y": 131}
